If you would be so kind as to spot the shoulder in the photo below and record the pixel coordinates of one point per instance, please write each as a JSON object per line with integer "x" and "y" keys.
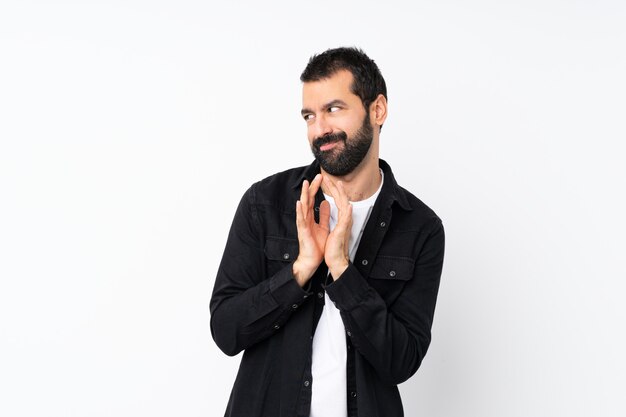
{"x": 419, "y": 215}
{"x": 277, "y": 188}
{"x": 413, "y": 212}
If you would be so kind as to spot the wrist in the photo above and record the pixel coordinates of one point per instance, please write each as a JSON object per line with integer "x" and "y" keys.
{"x": 301, "y": 273}
{"x": 338, "y": 268}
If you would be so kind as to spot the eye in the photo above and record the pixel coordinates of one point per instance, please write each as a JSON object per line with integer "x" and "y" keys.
{"x": 307, "y": 117}
{"x": 333, "y": 109}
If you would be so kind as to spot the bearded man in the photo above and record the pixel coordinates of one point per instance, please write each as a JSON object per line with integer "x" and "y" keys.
{"x": 330, "y": 274}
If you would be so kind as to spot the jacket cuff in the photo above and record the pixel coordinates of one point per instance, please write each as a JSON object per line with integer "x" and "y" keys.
{"x": 349, "y": 289}
{"x": 285, "y": 290}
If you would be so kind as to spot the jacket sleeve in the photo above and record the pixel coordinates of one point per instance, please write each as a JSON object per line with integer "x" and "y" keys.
{"x": 393, "y": 339}
{"x": 247, "y": 306}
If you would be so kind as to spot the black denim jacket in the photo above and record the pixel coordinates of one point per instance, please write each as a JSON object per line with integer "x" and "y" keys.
{"x": 386, "y": 299}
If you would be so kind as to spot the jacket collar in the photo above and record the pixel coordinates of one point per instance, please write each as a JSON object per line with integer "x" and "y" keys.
{"x": 390, "y": 193}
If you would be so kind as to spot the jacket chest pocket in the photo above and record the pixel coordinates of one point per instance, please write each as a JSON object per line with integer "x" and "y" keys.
{"x": 389, "y": 275}
{"x": 279, "y": 252}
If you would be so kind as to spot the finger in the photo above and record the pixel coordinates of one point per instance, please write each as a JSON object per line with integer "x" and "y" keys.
{"x": 300, "y": 224}
{"x": 349, "y": 217}
{"x": 304, "y": 199}
{"x": 337, "y": 191}
{"x": 349, "y": 214}
{"x": 342, "y": 202}
{"x": 325, "y": 215}
{"x": 342, "y": 196}
{"x": 344, "y": 218}
{"x": 315, "y": 185}
{"x": 330, "y": 187}
{"x": 348, "y": 223}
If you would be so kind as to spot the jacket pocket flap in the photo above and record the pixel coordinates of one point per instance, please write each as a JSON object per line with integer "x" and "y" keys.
{"x": 281, "y": 249}
{"x": 392, "y": 268}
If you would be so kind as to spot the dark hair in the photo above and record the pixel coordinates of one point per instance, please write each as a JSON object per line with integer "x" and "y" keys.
{"x": 368, "y": 82}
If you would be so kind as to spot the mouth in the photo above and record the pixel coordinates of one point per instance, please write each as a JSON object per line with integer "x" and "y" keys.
{"x": 329, "y": 142}
{"x": 328, "y": 146}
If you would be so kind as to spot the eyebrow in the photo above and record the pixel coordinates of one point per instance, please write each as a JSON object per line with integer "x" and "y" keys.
{"x": 328, "y": 105}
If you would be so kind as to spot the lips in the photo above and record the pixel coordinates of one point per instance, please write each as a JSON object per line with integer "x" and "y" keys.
{"x": 328, "y": 146}
{"x": 328, "y": 142}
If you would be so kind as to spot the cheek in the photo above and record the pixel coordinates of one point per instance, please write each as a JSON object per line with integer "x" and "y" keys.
{"x": 349, "y": 125}
{"x": 310, "y": 135}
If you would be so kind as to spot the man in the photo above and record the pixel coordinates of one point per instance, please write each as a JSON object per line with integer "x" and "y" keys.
{"x": 330, "y": 274}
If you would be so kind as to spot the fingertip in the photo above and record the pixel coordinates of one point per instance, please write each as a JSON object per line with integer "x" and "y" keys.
{"x": 298, "y": 212}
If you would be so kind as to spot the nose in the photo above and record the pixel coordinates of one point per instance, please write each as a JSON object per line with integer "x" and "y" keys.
{"x": 320, "y": 127}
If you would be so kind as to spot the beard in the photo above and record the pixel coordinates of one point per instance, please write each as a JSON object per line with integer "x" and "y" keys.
{"x": 340, "y": 162}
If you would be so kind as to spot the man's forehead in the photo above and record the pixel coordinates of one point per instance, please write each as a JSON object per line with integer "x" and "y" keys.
{"x": 336, "y": 86}
{"x": 341, "y": 78}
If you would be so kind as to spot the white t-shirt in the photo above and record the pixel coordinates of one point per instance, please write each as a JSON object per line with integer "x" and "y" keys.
{"x": 328, "y": 368}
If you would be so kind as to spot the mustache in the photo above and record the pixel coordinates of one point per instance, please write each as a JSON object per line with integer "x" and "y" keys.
{"x": 330, "y": 138}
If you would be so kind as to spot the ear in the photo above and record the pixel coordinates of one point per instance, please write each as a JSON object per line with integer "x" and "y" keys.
{"x": 378, "y": 110}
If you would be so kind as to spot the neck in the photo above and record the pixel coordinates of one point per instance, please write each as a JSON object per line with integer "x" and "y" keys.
{"x": 362, "y": 182}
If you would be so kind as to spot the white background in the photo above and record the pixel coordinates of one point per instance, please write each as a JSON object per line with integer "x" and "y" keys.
{"x": 130, "y": 129}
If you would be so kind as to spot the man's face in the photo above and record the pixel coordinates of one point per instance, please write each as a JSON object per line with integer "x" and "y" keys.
{"x": 338, "y": 127}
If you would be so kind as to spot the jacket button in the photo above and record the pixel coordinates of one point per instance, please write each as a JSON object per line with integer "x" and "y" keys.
{"x": 392, "y": 273}
{"x": 349, "y": 334}
{"x": 364, "y": 262}
{"x": 294, "y": 306}
{"x": 320, "y": 295}
{"x": 353, "y": 394}
{"x": 285, "y": 256}
{"x": 307, "y": 383}
{"x": 383, "y": 224}
{"x": 276, "y": 326}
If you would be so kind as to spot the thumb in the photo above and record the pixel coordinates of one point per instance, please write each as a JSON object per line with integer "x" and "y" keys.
{"x": 325, "y": 215}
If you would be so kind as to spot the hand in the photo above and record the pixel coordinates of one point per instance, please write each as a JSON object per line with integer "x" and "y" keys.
{"x": 337, "y": 250}
{"x": 311, "y": 235}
